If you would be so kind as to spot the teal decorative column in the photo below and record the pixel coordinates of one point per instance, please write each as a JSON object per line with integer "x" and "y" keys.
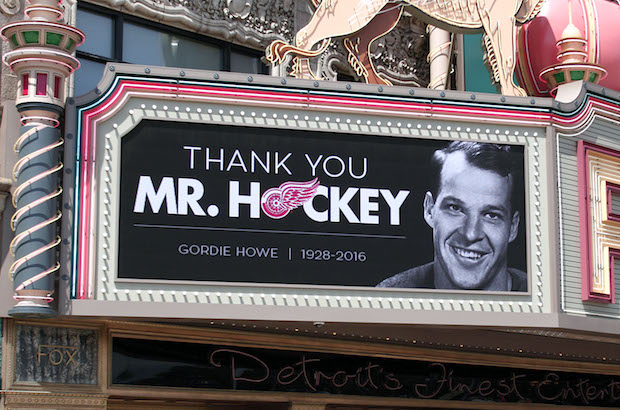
{"x": 41, "y": 57}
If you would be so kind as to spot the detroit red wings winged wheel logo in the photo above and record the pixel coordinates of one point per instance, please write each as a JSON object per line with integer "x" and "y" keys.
{"x": 278, "y": 202}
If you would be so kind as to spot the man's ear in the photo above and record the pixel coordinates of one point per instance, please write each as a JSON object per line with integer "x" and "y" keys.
{"x": 429, "y": 203}
{"x": 514, "y": 226}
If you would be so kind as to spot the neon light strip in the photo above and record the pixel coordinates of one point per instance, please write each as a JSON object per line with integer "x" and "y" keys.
{"x": 20, "y": 212}
{"x": 408, "y": 107}
{"x": 34, "y": 179}
{"x": 31, "y": 255}
{"x": 18, "y": 238}
{"x": 425, "y": 101}
{"x": 77, "y": 187}
{"x": 592, "y": 107}
{"x": 591, "y": 27}
{"x": 23, "y": 161}
{"x": 34, "y": 279}
{"x": 572, "y": 40}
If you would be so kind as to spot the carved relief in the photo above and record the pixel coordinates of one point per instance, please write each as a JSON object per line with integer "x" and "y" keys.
{"x": 252, "y": 23}
{"x": 399, "y": 56}
{"x": 10, "y": 7}
{"x": 361, "y": 22}
{"x": 334, "y": 61}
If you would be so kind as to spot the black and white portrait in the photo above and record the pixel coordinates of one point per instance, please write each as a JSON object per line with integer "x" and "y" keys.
{"x": 472, "y": 209}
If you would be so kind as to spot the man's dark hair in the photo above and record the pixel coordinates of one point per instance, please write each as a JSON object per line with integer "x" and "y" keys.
{"x": 491, "y": 157}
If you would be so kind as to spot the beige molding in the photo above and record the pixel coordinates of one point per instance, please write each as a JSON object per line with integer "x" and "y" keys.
{"x": 48, "y": 400}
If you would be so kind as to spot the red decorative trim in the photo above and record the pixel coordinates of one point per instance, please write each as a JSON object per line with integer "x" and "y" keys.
{"x": 57, "y": 82}
{"x": 25, "y": 84}
{"x": 41, "y": 88}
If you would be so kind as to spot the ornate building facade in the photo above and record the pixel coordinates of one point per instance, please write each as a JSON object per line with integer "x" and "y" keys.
{"x": 185, "y": 226}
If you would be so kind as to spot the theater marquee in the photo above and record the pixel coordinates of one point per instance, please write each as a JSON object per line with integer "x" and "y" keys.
{"x": 222, "y": 190}
{"x": 230, "y": 203}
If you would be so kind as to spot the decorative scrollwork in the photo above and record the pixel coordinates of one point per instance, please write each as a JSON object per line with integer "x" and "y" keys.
{"x": 10, "y": 7}
{"x": 400, "y": 55}
{"x": 253, "y": 23}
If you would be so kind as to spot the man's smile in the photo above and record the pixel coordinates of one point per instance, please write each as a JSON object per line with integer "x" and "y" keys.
{"x": 469, "y": 254}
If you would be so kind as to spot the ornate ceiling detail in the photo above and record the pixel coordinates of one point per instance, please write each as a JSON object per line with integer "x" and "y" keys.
{"x": 399, "y": 56}
{"x": 10, "y": 7}
{"x": 251, "y": 23}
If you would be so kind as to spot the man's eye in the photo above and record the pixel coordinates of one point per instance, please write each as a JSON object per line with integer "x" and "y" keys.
{"x": 493, "y": 216}
{"x": 454, "y": 208}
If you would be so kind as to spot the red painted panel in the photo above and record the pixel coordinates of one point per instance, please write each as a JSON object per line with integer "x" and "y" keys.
{"x": 41, "y": 84}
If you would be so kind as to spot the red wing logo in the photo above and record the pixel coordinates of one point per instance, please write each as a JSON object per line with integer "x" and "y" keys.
{"x": 278, "y": 202}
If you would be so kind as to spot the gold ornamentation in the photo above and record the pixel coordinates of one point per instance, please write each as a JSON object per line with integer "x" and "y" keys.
{"x": 44, "y": 400}
{"x": 10, "y": 7}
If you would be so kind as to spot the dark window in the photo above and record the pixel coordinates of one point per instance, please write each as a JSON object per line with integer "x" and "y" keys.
{"x": 115, "y": 37}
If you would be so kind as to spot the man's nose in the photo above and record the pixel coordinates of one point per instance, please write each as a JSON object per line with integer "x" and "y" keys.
{"x": 472, "y": 228}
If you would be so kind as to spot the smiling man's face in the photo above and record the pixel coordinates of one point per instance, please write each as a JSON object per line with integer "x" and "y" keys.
{"x": 472, "y": 226}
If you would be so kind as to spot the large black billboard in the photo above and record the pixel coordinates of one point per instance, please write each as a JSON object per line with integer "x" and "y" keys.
{"x": 207, "y": 202}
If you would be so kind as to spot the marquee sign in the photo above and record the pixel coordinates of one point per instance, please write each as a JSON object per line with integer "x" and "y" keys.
{"x": 206, "y": 202}
{"x": 244, "y": 191}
